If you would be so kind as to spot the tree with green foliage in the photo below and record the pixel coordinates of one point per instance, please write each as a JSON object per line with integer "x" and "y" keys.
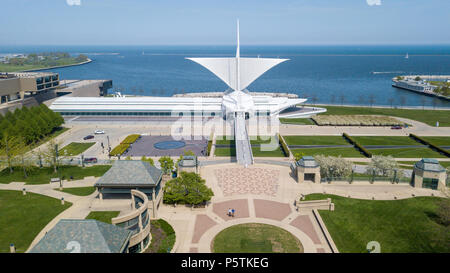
{"x": 51, "y": 154}
{"x": 298, "y": 156}
{"x": 166, "y": 164}
{"x": 148, "y": 159}
{"x": 188, "y": 188}
{"x": 10, "y": 147}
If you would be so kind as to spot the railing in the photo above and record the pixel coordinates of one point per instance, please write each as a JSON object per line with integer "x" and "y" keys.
{"x": 244, "y": 153}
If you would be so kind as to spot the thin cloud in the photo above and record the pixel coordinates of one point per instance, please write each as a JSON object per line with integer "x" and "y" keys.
{"x": 73, "y": 2}
{"x": 373, "y": 2}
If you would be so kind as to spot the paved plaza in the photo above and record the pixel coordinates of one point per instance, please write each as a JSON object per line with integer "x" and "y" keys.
{"x": 145, "y": 146}
{"x": 247, "y": 181}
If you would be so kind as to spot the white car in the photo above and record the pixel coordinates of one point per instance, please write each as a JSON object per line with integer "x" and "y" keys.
{"x": 99, "y": 132}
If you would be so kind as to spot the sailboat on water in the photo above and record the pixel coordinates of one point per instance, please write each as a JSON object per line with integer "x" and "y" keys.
{"x": 407, "y": 56}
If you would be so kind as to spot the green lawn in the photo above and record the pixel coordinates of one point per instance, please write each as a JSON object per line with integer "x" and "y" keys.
{"x": 385, "y": 140}
{"x": 426, "y": 116}
{"x": 43, "y": 176}
{"x": 438, "y": 141}
{"x": 231, "y": 151}
{"x": 24, "y": 216}
{"x": 299, "y": 121}
{"x": 18, "y": 68}
{"x": 80, "y": 191}
{"x": 103, "y": 216}
{"x": 344, "y": 152}
{"x": 255, "y": 238}
{"x": 276, "y": 153}
{"x": 407, "y": 152}
{"x": 75, "y": 148}
{"x": 400, "y": 226}
{"x": 315, "y": 140}
{"x": 163, "y": 237}
{"x": 229, "y": 140}
{"x": 445, "y": 164}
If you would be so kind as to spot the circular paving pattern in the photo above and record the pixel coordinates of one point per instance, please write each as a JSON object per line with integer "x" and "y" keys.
{"x": 169, "y": 145}
{"x": 255, "y": 238}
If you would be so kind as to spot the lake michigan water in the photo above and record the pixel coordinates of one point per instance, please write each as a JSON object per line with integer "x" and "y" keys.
{"x": 325, "y": 74}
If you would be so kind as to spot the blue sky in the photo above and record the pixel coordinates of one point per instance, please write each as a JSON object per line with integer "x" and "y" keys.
{"x": 206, "y": 22}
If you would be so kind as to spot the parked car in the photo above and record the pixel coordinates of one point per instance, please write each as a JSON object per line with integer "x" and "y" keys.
{"x": 90, "y": 160}
{"x": 397, "y": 127}
{"x": 88, "y": 137}
{"x": 99, "y": 132}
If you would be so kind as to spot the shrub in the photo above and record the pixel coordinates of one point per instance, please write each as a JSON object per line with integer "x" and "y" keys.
{"x": 284, "y": 146}
{"x": 119, "y": 149}
{"x": 384, "y": 166}
{"x": 130, "y": 139}
{"x": 358, "y": 146}
{"x": 331, "y": 166}
{"x": 355, "y": 120}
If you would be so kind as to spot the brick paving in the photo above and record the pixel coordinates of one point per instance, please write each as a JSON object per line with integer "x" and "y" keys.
{"x": 240, "y": 206}
{"x": 202, "y": 224}
{"x": 303, "y": 222}
{"x": 241, "y": 180}
{"x": 271, "y": 209}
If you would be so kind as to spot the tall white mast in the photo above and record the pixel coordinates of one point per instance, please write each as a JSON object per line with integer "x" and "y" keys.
{"x": 238, "y": 56}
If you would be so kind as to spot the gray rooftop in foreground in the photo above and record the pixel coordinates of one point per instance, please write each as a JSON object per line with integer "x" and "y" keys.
{"x": 188, "y": 161}
{"x": 91, "y": 235}
{"x": 429, "y": 165}
{"x": 307, "y": 162}
{"x": 130, "y": 173}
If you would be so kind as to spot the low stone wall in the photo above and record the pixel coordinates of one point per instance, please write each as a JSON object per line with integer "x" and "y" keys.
{"x": 325, "y": 232}
{"x": 316, "y": 204}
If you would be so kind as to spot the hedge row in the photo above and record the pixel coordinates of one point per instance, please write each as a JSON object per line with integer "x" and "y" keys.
{"x": 358, "y": 146}
{"x": 433, "y": 146}
{"x": 119, "y": 149}
{"x": 208, "y": 150}
{"x": 130, "y": 139}
{"x": 284, "y": 147}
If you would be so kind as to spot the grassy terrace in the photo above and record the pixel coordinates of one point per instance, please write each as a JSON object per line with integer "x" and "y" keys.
{"x": 407, "y": 225}
{"x": 408, "y": 153}
{"x": 426, "y": 116}
{"x": 315, "y": 140}
{"x": 43, "y": 176}
{"x": 257, "y": 152}
{"x": 76, "y": 148}
{"x": 255, "y": 238}
{"x": 344, "y": 152}
{"x": 385, "y": 140}
{"x": 231, "y": 151}
{"x": 438, "y": 141}
{"x": 103, "y": 216}
{"x": 24, "y": 216}
{"x": 299, "y": 121}
{"x": 80, "y": 191}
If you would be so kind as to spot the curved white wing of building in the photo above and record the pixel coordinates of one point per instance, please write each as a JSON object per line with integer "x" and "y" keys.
{"x": 249, "y": 69}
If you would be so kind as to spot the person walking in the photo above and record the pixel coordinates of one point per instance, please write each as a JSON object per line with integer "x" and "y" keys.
{"x": 232, "y": 212}
{"x": 229, "y": 211}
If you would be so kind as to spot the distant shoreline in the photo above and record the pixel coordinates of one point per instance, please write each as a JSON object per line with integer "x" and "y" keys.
{"x": 58, "y": 66}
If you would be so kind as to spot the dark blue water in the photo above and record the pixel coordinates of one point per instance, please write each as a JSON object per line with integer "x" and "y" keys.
{"x": 324, "y": 74}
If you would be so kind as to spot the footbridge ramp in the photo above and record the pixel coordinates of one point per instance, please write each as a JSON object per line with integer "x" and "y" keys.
{"x": 244, "y": 153}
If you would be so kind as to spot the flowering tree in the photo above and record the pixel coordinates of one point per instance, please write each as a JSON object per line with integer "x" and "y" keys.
{"x": 331, "y": 166}
{"x": 384, "y": 166}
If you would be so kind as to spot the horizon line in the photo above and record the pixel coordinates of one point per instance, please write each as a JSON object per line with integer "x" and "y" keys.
{"x": 256, "y": 44}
